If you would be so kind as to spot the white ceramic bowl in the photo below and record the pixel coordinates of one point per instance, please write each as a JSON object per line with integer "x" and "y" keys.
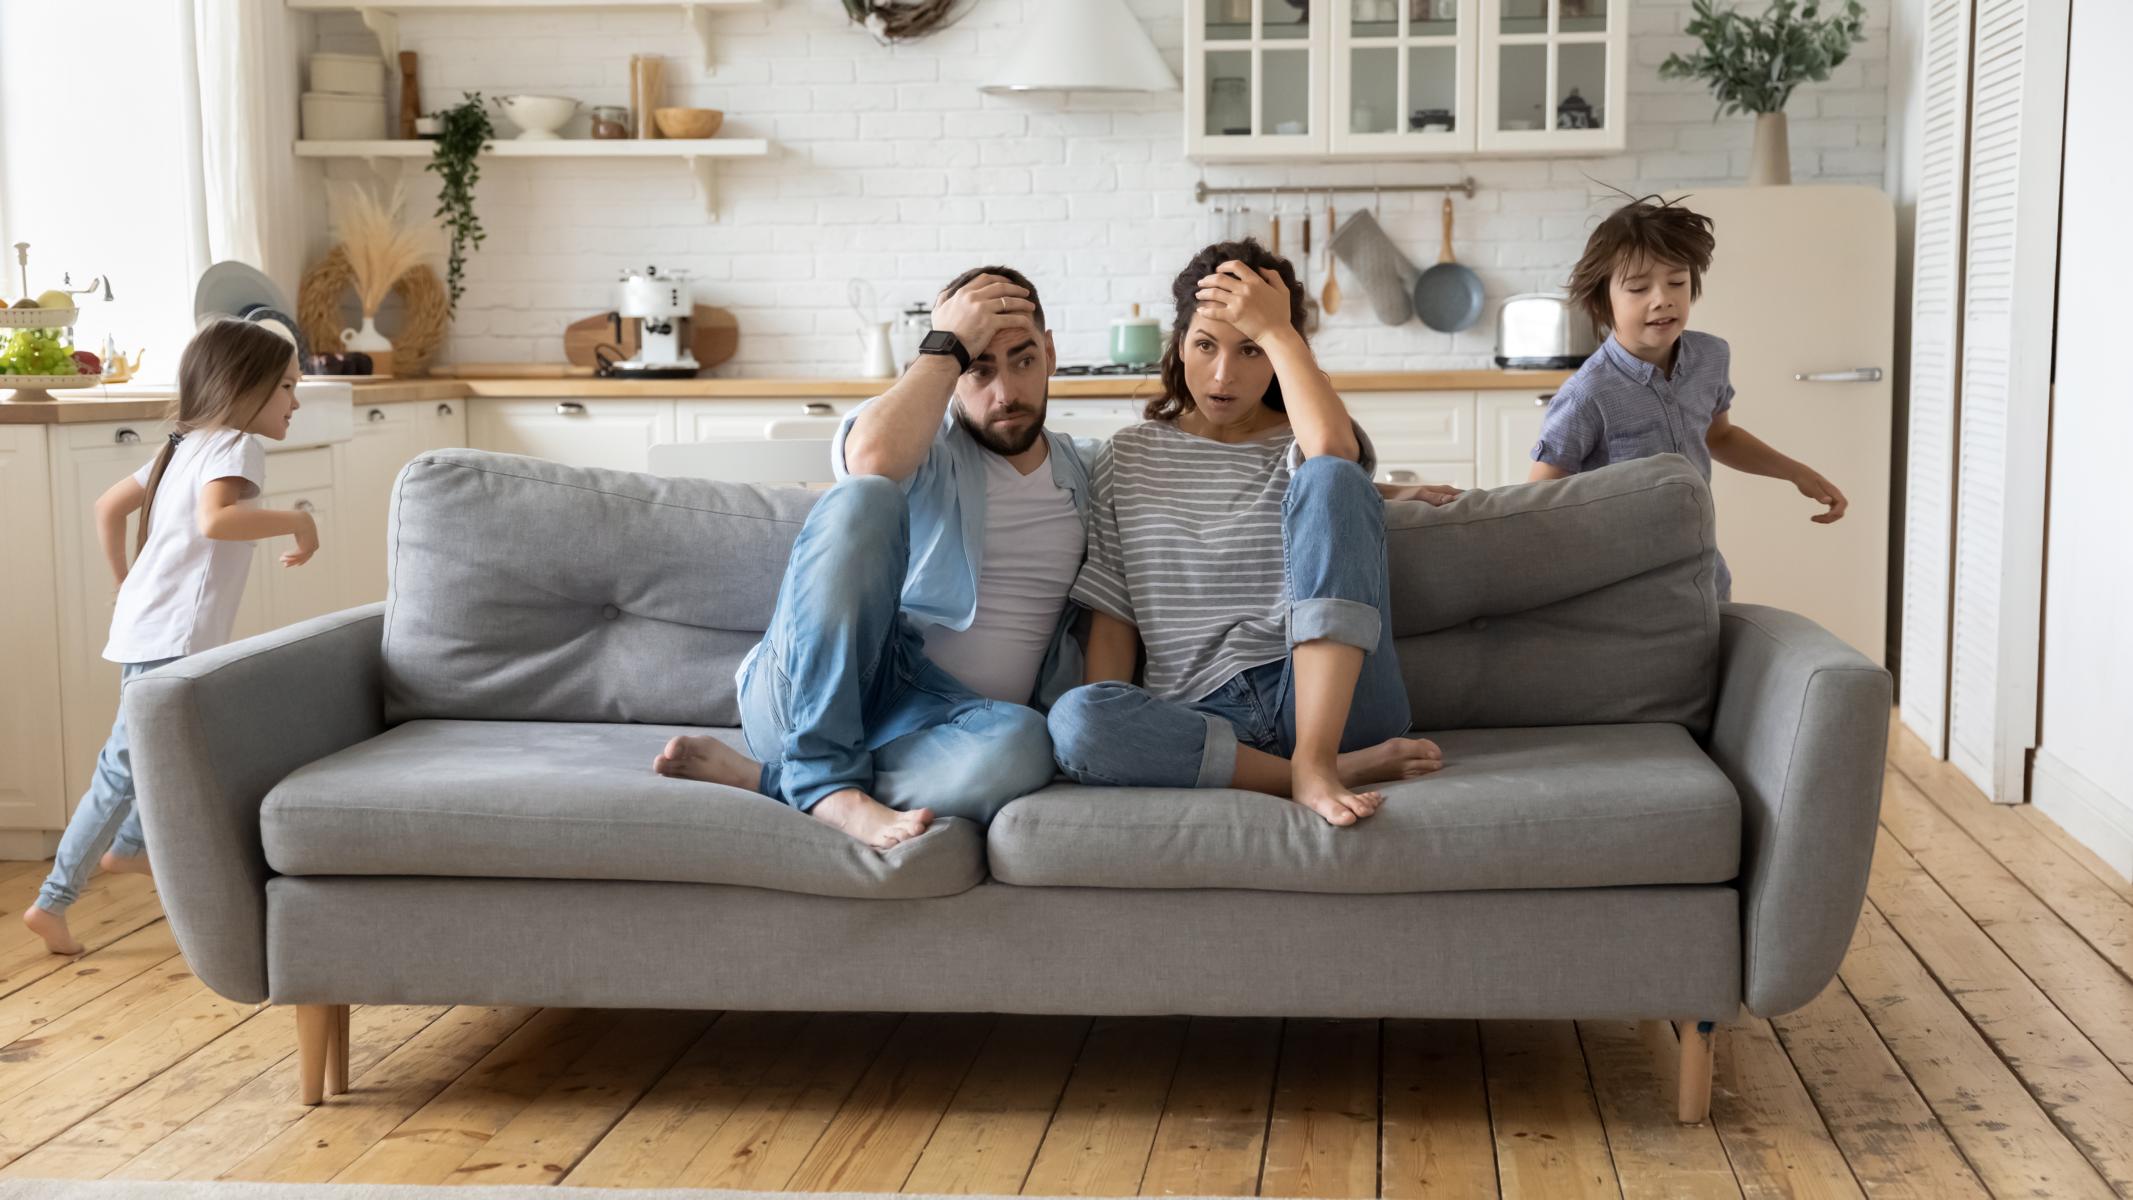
{"x": 538, "y": 117}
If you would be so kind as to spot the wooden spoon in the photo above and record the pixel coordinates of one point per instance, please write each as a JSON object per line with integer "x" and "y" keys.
{"x": 1329, "y": 299}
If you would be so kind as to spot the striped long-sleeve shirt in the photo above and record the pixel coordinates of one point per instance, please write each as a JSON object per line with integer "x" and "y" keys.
{"x": 1185, "y": 544}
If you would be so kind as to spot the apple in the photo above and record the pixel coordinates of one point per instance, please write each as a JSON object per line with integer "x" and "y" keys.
{"x": 89, "y": 363}
{"x": 54, "y": 298}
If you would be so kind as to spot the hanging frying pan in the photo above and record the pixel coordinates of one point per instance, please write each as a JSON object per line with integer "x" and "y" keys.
{"x": 1448, "y": 296}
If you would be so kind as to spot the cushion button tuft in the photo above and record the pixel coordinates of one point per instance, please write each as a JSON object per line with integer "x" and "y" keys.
{"x": 610, "y": 611}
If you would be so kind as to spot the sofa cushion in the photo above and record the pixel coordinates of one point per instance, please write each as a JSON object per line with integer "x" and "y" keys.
{"x": 1581, "y": 806}
{"x": 1509, "y": 602}
{"x": 526, "y": 590}
{"x": 559, "y": 801}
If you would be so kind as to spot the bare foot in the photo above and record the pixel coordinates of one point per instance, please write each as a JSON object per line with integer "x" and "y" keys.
{"x": 1391, "y": 759}
{"x": 708, "y": 760}
{"x": 869, "y": 820}
{"x": 52, "y": 927}
{"x": 124, "y": 864}
{"x": 1323, "y": 792}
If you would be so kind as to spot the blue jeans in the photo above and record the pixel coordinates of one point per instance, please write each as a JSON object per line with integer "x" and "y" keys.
{"x": 1333, "y": 544}
{"x": 840, "y": 694}
{"x": 106, "y": 818}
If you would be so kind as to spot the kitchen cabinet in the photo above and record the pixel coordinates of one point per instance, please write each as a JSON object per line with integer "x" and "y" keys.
{"x": 1506, "y": 426}
{"x": 386, "y": 437}
{"x": 275, "y": 595}
{"x": 86, "y": 460}
{"x": 748, "y": 420}
{"x": 616, "y": 434}
{"x": 1361, "y": 79}
{"x": 31, "y": 772}
{"x": 1420, "y": 437}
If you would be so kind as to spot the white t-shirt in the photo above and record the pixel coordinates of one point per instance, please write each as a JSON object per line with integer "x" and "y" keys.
{"x": 1033, "y": 546}
{"x": 181, "y": 595}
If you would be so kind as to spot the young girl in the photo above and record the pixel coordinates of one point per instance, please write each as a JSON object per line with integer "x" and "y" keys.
{"x": 1656, "y": 386}
{"x": 1236, "y": 537}
{"x": 236, "y": 384}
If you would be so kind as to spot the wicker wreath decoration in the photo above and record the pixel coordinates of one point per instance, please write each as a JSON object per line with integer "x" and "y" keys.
{"x": 427, "y": 310}
{"x": 904, "y": 20}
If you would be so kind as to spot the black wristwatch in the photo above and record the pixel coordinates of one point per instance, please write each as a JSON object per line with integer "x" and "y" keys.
{"x": 941, "y": 341}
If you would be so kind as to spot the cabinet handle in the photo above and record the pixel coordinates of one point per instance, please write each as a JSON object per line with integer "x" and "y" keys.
{"x": 126, "y": 437}
{"x": 1403, "y": 476}
{"x": 444, "y": 410}
{"x": 570, "y": 408}
{"x": 304, "y": 506}
{"x": 1855, "y": 375}
{"x": 376, "y": 415}
{"x": 818, "y": 410}
{"x": 1541, "y": 401}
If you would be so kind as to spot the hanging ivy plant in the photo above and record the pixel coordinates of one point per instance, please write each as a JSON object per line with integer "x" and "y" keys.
{"x": 1752, "y": 64}
{"x": 467, "y": 132}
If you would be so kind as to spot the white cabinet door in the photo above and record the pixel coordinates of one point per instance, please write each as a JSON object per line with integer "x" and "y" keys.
{"x": 1416, "y": 427}
{"x": 31, "y": 777}
{"x": 1402, "y": 75}
{"x": 1554, "y": 76}
{"x": 1255, "y": 79}
{"x": 386, "y": 437}
{"x": 747, "y": 420}
{"x": 615, "y": 434}
{"x": 1097, "y": 419}
{"x": 1508, "y": 425}
{"x": 86, "y": 460}
{"x": 444, "y": 424}
{"x": 275, "y": 595}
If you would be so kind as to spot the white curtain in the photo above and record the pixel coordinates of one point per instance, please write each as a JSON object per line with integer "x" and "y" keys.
{"x": 244, "y": 196}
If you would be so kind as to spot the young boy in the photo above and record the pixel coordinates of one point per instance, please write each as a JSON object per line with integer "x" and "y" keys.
{"x": 1654, "y": 387}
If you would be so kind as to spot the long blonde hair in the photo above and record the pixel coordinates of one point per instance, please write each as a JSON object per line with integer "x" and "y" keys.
{"x": 225, "y": 377}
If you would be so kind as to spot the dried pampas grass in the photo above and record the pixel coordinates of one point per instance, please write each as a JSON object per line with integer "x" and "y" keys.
{"x": 379, "y": 249}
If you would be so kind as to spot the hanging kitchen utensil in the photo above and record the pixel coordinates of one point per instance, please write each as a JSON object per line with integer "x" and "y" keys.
{"x": 1329, "y": 299}
{"x": 1303, "y": 273}
{"x": 1448, "y": 297}
{"x": 1388, "y": 278}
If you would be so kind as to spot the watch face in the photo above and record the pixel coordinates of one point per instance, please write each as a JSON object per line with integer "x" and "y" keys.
{"x": 940, "y": 341}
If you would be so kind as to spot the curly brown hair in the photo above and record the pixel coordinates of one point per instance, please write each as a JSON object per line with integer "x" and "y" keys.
{"x": 1176, "y": 399}
{"x": 1645, "y": 229}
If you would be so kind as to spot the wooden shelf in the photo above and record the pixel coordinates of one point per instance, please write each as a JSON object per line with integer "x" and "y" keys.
{"x": 383, "y": 17}
{"x": 701, "y": 154}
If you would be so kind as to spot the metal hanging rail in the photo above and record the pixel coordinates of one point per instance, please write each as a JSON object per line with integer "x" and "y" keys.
{"x": 1201, "y": 192}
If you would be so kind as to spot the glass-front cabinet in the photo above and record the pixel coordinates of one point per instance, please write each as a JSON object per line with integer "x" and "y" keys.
{"x": 1314, "y": 79}
{"x": 1258, "y": 77}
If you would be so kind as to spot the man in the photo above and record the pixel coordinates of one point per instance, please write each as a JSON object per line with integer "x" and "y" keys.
{"x": 924, "y": 608}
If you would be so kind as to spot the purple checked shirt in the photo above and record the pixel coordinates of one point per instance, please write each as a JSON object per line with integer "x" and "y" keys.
{"x": 1619, "y": 407}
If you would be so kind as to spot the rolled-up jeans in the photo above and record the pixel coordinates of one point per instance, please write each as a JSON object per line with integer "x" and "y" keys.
{"x": 106, "y": 818}
{"x": 1333, "y": 545}
{"x": 840, "y": 694}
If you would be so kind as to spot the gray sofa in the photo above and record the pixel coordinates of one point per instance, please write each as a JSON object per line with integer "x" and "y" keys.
{"x": 1655, "y": 807}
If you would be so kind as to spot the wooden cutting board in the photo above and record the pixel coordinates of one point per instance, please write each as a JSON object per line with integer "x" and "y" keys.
{"x": 714, "y": 336}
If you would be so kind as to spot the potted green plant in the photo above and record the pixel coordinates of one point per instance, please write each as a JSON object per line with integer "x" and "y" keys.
{"x": 465, "y": 133}
{"x": 1753, "y": 63}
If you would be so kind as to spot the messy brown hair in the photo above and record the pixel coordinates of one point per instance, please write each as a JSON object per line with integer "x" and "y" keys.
{"x": 1647, "y": 229}
{"x": 1176, "y": 399}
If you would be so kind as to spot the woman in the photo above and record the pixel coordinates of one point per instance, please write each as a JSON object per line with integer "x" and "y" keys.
{"x": 1236, "y": 536}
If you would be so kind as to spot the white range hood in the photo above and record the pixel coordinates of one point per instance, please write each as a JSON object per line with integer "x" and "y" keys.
{"x": 1085, "y": 46}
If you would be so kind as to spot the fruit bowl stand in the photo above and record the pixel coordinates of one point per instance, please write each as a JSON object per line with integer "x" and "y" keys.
{"x": 31, "y": 388}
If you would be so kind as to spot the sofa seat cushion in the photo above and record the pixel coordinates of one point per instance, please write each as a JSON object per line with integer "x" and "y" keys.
{"x": 538, "y": 800}
{"x": 1572, "y": 807}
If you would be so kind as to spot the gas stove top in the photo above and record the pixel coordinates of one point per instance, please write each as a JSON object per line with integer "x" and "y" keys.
{"x": 1079, "y": 369}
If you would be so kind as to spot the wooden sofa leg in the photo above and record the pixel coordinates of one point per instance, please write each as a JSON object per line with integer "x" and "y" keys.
{"x": 1693, "y": 1093}
{"x": 315, "y": 1026}
{"x": 336, "y": 1080}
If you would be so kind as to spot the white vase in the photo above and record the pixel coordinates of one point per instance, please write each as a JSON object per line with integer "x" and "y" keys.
{"x": 1770, "y": 163}
{"x": 371, "y": 342}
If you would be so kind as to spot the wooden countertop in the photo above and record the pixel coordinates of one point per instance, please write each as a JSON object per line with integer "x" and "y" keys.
{"x": 144, "y": 403}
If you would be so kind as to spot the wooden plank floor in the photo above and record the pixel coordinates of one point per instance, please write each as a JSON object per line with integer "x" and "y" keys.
{"x": 1978, "y": 1042}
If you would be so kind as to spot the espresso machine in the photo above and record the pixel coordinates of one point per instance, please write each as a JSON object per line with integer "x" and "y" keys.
{"x": 660, "y": 302}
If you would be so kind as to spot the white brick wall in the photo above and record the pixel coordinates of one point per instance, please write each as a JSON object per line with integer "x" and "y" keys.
{"x": 890, "y": 165}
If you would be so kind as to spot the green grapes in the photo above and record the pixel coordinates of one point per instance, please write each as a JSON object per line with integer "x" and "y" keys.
{"x": 37, "y": 352}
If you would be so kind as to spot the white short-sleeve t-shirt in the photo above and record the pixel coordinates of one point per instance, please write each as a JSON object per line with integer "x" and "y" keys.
{"x": 181, "y": 595}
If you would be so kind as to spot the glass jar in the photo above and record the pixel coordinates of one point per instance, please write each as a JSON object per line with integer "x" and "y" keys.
{"x": 610, "y": 121}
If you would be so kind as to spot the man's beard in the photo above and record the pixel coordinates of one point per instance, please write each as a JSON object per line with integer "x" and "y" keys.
{"x": 1004, "y": 447}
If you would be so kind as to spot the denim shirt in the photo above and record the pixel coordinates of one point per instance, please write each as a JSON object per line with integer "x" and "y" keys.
{"x": 947, "y": 499}
{"x": 1618, "y": 407}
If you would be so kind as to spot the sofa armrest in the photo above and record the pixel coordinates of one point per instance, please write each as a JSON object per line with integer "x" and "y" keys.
{"x": 212, "y": 734}
{"x": 1801, "y": 728}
